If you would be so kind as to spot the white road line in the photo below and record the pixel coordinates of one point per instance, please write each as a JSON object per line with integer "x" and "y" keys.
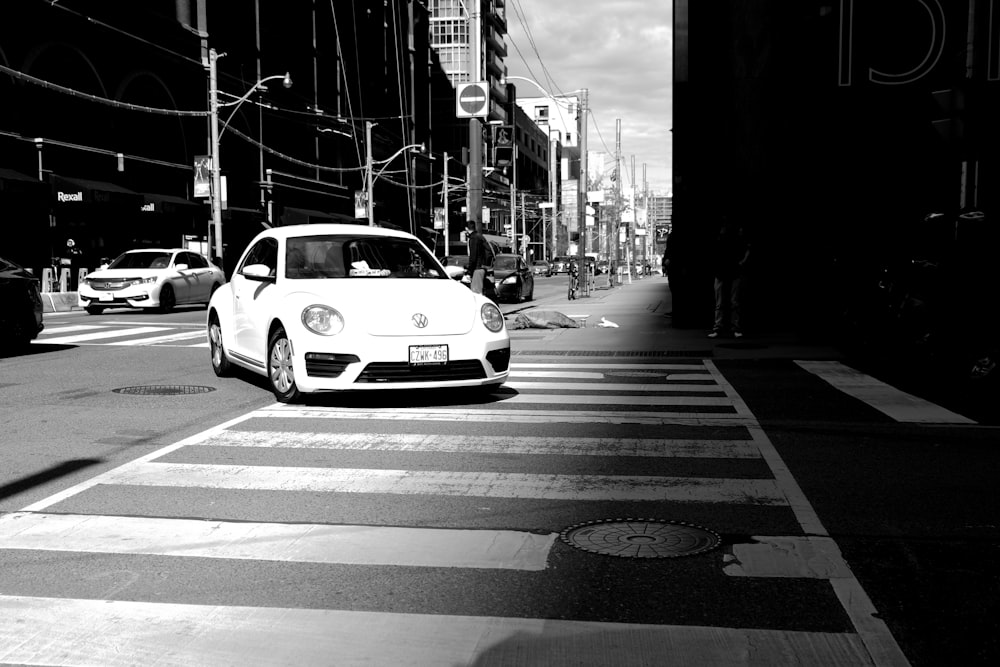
{"x": 100, "y": 335}
{"x": 874, "y": 633}
{"x": 885, "y": 398}
{"x": 115, "y": 633}
{"x": 665, "y": 401}
{"x": 574, "y": 375}
{"x": 506, "y": 416}
{"x": 447, "y": 483}
{"x": 799, "y": 557}
{"x": 531, "y": 445}
{"x": 59, "y": 330}
{"x": 155, "y": 340}
{"x": 613, "y": 386}
{"x": 604, "y": 367}
{"x": 298, "y": 543}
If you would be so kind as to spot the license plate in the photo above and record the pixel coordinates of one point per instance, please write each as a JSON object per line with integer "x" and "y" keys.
{"x": 106, "y": 297}
{"x": 428, "y": 354}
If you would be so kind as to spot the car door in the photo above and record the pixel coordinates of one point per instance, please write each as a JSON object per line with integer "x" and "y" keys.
{"x": 252, "y": 299}
{"x": 180, "y": 279}
{"x": 198, "y": 266}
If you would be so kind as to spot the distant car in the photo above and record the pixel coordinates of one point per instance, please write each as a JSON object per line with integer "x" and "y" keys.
{"x": 560, "y": 265}
{"x": 339, "y": 307}
{"x": 21, "y": 309}
{"x": 602, "y": 266}
{"x": 513, "y": 278}
{"x": 158, "y": 278}
{"x": 540, "y": 267}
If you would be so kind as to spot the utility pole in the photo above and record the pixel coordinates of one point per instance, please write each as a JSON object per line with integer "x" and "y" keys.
{"x": 513, "y": 204}
{"x": 445, "y": 197}
{"x": 553, "y": 173}
{"x": 216, "y": 189}
{"x": 369, "y": 182}
{"x": 581, "y": 195}
{"x": 475, "y": 196}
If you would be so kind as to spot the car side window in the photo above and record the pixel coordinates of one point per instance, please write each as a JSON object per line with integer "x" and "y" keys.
{"x": 196, "y": 261}
{"x": 263, "y": 252}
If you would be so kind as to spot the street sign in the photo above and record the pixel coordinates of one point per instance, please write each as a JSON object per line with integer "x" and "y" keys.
{"x": 471, "y": 100}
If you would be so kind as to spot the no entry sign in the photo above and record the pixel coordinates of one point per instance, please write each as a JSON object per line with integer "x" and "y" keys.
{"x": 472, "y": 100}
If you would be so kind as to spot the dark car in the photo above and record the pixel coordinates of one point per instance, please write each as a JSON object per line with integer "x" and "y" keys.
{"x": 541, "y": 268}
{"x": 20, "y": 304}
{"x": 603, "y": 266}
{"x": 513, "y": 278}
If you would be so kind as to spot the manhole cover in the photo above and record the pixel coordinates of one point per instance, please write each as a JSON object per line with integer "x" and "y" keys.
{"x": 164, "y": 390}
{"x": 640, "y": 538}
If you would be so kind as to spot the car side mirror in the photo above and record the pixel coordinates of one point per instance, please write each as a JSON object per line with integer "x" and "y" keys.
{"x": 258, "y": 272}
{"x": 180, "y": 267}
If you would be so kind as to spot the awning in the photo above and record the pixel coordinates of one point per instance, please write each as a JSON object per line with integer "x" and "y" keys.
{"x": 14, "y": 181}
{"x": 80, "y": 190}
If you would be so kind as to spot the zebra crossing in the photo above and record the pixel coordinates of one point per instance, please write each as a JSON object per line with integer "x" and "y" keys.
{"x": 124, "y": 333}
{"x": 349, "y": 534}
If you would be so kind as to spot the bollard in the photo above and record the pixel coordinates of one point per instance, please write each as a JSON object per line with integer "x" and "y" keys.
{"x": 81, "y": 276}
{"x": 64, "y": 280}
{"x": 47, "y": 280}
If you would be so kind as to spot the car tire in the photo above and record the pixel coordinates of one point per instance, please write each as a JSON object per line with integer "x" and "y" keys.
{"x": 167, "y": 299}
{"x": 280, "y": 375}
{"x": 94, "y": 310}
{"x": 220, "y": 363}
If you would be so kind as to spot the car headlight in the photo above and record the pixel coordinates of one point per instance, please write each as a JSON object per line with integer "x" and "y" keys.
{"x": 509, "y": 280}
{"x": 492, "y": 317}
{"x": 144, "y": 281}
{"x": 323, "y": 320}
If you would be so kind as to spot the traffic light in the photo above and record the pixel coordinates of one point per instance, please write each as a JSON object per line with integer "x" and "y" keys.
{"x": 503, "y": 145}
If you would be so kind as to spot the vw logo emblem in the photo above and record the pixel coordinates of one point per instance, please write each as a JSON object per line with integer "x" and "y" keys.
{"x": 419, "y": 320}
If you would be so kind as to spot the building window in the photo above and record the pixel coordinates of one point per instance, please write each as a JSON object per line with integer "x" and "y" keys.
{"x": 541, "y": 114}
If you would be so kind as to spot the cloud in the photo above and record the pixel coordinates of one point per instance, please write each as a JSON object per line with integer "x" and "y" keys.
{"x": 621, "y": 52}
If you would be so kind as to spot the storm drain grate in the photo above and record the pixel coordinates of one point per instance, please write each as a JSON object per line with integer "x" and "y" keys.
{"x": 164, "y": 390}
{"x": 641, "y": 538}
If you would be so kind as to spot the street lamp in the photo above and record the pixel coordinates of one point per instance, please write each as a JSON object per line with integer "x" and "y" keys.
{"x": 215, "y": 193}
{"x": 371, "y": 177}
{"x": 581, "y": 189}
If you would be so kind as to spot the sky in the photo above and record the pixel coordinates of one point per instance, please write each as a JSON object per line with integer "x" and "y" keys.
{"x": 621, "y": 52}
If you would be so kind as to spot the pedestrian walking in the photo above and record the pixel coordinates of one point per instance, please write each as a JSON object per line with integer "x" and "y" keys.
{"x": 478, "y": 256}
{"x": 729, "y": 260}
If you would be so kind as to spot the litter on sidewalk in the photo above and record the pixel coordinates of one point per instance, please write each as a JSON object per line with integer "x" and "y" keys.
{"x": 547, "y": 319}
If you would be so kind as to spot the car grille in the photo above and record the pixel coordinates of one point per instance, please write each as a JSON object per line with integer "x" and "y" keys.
{"x": 112, "y": 284}
{"x": 392, "y": 371}
{"x": 325, "y": 365}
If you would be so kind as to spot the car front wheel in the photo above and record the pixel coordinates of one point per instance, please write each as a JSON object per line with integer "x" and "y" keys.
{"x": 279, "y": 367}
{"x": 167, "y": 299}
{"x": 220, "y": 363}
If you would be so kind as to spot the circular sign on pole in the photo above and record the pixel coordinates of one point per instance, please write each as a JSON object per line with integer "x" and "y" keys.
{"x": 472, "y": 100}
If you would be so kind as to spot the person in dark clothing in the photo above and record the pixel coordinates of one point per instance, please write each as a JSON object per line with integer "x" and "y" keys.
{"x": 478, "y": 256}
{"x": 730, "y": 256}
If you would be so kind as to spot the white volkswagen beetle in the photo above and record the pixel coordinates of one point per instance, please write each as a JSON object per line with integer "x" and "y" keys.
{"x": 331, "y": 307}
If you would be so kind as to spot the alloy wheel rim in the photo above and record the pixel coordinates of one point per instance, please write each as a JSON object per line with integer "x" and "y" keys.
{"x": 215, "y": 338}
{"x": 282, "y": 374}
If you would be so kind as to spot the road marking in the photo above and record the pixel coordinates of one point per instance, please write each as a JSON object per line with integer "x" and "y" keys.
{"x": 899, "y": 405}
{"x": 279, "y": 410}
{"x": 299, "y": 543}
{"x": 69, "y": 328}
{"x": 614, "y": 386}
{"x": 664, "y": 401}
{"x": 603, "y": 367}
{"x": 74, "y": 632}
{"x": 531, "y": 445}
{"x": 574, "y": 375}
{"x": 798, "y": 557}
{"x": 448, "y": 483}
{"x": 156, "y": 340}
{"x": 98, "y": 335}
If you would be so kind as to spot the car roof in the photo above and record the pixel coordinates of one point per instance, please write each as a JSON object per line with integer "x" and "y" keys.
{"x": 321, "y": 229}
{"x": 160, "y": 250}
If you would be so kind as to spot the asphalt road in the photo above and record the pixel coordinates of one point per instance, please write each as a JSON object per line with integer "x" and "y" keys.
{"x": 428, "y": 530}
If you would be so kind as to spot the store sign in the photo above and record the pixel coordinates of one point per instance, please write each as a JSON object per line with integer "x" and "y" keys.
{"x": 69, "y": 196}
{"x": 148, "y": 208}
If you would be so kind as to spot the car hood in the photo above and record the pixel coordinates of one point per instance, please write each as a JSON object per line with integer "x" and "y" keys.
{"x": 119, "y": 274}
{"x": 500, "y": 274}
{"x": 390, "y": 307}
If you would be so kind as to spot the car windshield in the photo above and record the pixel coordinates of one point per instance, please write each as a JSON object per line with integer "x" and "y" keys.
{"x": 331, "y": 256}
{"x": 542, "y": 263}
{"x": 505, "y": 264}
{"x": 141, "y": 260}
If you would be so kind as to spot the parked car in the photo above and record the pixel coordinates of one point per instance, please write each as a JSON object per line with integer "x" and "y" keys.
{"x": 21, "y": 318}
{"x": 560, "y": 265}
{"x": 540, "y": 267}
{"x": 333, "y": 307}
{"x": 152, "y": 278}
{"x": 602, "y": 266}
{"x": 513, "y": 278}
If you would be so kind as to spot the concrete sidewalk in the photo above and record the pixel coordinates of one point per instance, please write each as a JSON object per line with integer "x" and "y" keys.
{"x": 645, "y": 330}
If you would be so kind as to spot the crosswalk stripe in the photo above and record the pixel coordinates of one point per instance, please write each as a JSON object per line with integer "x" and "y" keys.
{"x": 506, "y": 416}
{"x": 603, "y": 367}
{"x": 69, "y": 328}
{"x": 300, "y": 543}
{"x": 100, "y": 335}
{"x": 115, "y": 633}
{"x": 664, "y": 401}
{"x": 899, "y": 405}
{"x": 448, "y": 483}
{"x": 167, "y": 338}
{"x": 499, "y": 444}
{"x": 574, "y": 375}
{"x": 613, "y": 386}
